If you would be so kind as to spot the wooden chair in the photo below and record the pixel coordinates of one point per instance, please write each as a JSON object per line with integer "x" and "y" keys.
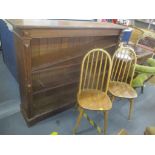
{"x": 140, "y": 45}
{"x": 94, "y": 82}
{"x": 124, "y": 60}
{"x": 136, "y": 35}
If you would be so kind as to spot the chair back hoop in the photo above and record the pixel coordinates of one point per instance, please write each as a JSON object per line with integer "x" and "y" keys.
{"x": 95, "y": 71}
{"x": 123, "y": 67}
{"x": 136, "y": 35}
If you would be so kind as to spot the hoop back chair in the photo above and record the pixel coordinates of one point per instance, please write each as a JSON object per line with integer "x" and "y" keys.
{"x": 124, "y": 60}
{"x": 136, "y": 35}
{"x": 94, "y": 82}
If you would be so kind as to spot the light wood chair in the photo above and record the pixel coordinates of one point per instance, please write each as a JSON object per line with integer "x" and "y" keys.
{"x": 136, "y": 35}
{"x": 124, "y": 60}
{"x": 94, "y": 82}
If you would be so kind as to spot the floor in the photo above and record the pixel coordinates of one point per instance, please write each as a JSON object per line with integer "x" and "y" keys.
{"x": 9, "y": 94}
{"x": 12, "y": 122}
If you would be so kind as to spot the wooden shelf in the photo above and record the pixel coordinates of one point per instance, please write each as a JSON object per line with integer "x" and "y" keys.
{"x": 50, "y": 65}
{"x": 54, "y": 87}
{"x": 49, "y": 55}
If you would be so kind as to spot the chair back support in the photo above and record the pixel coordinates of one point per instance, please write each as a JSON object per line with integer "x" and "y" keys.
{"x": 124, "y": 60}
{"x": 95, "y": 71}
{"x": 136, "y": 35}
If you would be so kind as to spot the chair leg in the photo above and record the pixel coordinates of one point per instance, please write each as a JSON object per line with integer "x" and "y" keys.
{"x": 105, "y": 121}
{"x": 76, "y": 106}
{"x": 78, "y": 120}
{"x": 142, "y": 89}
{"x": 113, "y": 98}
{"x": 131, "y": 108}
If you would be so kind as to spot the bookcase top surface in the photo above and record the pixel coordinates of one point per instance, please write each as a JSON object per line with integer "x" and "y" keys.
{"x": 65, "y": 24}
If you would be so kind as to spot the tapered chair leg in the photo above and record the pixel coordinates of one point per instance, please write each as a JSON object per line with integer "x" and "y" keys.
{"x": 112, "y": 99}
{"x": 142, "y": 89}
{"x": 131, "y": 108}
{"x": 105, "y": 121}
{"x": 78, "y": 120}
{"x": 76, "y": 106}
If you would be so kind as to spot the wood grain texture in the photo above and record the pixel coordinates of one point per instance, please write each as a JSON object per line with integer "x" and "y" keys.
{"x": 49, "y": 63}
{"x": 121, "y": 89}
{"x": 39, "y": 23}
{"x": 93, "y": 86}
{"x": 94, "y": 80}
{"x": 24, "y": 75}
{"x": 94, "y": 100}
{"x": 124, "y": 60}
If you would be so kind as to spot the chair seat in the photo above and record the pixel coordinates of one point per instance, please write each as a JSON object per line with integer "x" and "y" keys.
{"x": 94, "y": 100}
{"x": 121, "y": 89}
